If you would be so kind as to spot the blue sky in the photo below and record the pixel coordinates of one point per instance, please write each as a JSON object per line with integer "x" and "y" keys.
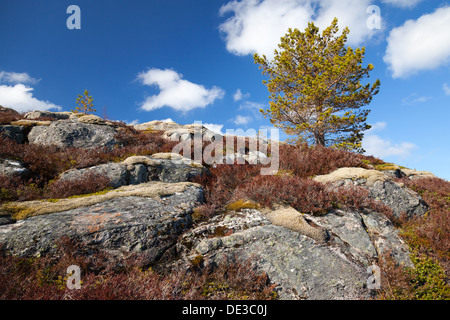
{"x": 192, "y": 61}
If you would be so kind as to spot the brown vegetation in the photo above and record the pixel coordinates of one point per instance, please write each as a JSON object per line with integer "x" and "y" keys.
{"x": 102, "y": 279}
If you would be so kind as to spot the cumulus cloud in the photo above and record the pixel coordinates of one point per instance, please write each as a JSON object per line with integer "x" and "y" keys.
{"x": 238, "y": 95}
{"x": 382, "y": 148}
{"x": 242, "y": 120}
{"x": 446, "y": 89}
{"x": 14, "y": 77}
{"x": 214, "y": 127}
{"x": 422, "y": 44}
{"x": 414, "y": 98}
{"x": 20, "y": 98}
{"x": 402, "y": 3}
{"x": 257, "y": 25}
{"x": 378, "y": 126}
{"x": 175, "y": 92}
{"x": 378, "y": 147}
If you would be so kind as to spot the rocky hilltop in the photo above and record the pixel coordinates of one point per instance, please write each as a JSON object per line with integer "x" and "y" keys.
{"x": 161, "y": 206}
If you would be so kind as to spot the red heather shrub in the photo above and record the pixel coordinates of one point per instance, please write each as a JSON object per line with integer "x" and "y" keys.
{"x": 89, "y": 183}
{"x": 141, "y": 142}
{"x": 44, "y": 278}
{"x": 430, "y": 234}
{"x": 306, "y": 195}
{"x": 305, "y": 161}
{"x": 47, "y": 162}
{"x": 6, "y": 117}
{"x": 16, "y": 189}
{"x": 223, "y": 179}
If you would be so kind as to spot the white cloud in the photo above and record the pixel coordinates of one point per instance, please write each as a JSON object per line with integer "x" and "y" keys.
{"x": 446, "y": 89}
{"x": 381, "y": 148}
{"x": 241, "y": 120}
{"x": 14, "y": 77}
{"x": 214, "y": 127}
{"x": 256, "y": 26}
{"x": 254, "y": 107}
{"x": 238, "y": 95}
{"x": 176, "y": 92}
{"x": 422, "y": 44}
{"x": 378, "y": 126}
{"x": 414, "y": 98}
{"x": 20, "y": 98}
{"x": 402, "y": 3}
{"x": 167, "y": 120}
{"x": 132, "y": 123}
{"x": 376, "y": 146}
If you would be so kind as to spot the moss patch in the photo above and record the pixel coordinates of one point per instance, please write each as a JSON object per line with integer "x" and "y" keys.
{"x": 23, "y": 210}
{"x": 242, "y": 204}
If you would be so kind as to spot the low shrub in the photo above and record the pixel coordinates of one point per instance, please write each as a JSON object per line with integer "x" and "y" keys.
{"x": 87, "y": 184}
{"x": 45, "y": 278}
{"x": 13, "y": 189}
{"x": 305, "y": 161}
{"x": 220, "y": 183}
{"x": 426, "y": 281}
{"x": 430, "y": 234}
{"x": 46, "y": 163}
{"x": 306, "y": 195}
{"x": 6, "y": 117}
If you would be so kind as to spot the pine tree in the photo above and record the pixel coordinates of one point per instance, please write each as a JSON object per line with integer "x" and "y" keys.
{"x": 85, "y": 102}
{"x": 315, "y": 88}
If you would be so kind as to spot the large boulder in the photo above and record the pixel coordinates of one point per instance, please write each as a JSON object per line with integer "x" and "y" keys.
{"x": 4, "y": 110}
{"x": 72, "y": 133}
{"x": 32, "y": 115}
{"x": 308, "y": 257}
{"x": 190, "y": 132}
{"x": 12, "y": 168}
{"x": 165, "y": 167}
{"x": 15, "y": 133}
{"x": 145, "y": 219}
{"x": 157, "y": 125}
{"x": 400, "y": 199}
{"x": 115, "y": 172}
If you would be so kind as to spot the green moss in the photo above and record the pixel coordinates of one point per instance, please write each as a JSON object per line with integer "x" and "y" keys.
{"x": 221, "y": 231}
{"x": 101, "y": 192}
{"x": 241, "y": 204}
{"x": 386, "y": 166}
{"x": 428, "y": 279}
{"x": 197, "y": 261}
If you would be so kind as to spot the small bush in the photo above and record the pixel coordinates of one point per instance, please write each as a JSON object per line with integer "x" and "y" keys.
{"x": 305, "y": 161}
{"x": 89, "y": 183}
{"x": 13, "y": 189}
{"x": 426, "y": 281}
{"x": 45, "y": 278}
{"x": 306, "y": 195}
{"x": 6, "y": 117}
{"x": 46, "y": 163}
{"x": 430, "y": 234}
{"x": 220, "y": 183}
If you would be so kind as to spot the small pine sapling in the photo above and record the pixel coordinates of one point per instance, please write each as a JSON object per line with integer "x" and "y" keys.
{"x": 85, "y": 102}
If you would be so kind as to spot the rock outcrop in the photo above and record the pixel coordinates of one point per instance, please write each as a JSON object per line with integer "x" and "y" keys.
{"x": 150, "y": 213}
{"x": 16, "y": 133}
{"x": 12, "y": 168}
{"x": 145, "y": 219}
{"x": 49, "y": 114}
{"x": 73, "y": 133}
{"x": 400, "y": 199}
{"x": 165, "y": 167}
{"x": 308, "y": 257}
